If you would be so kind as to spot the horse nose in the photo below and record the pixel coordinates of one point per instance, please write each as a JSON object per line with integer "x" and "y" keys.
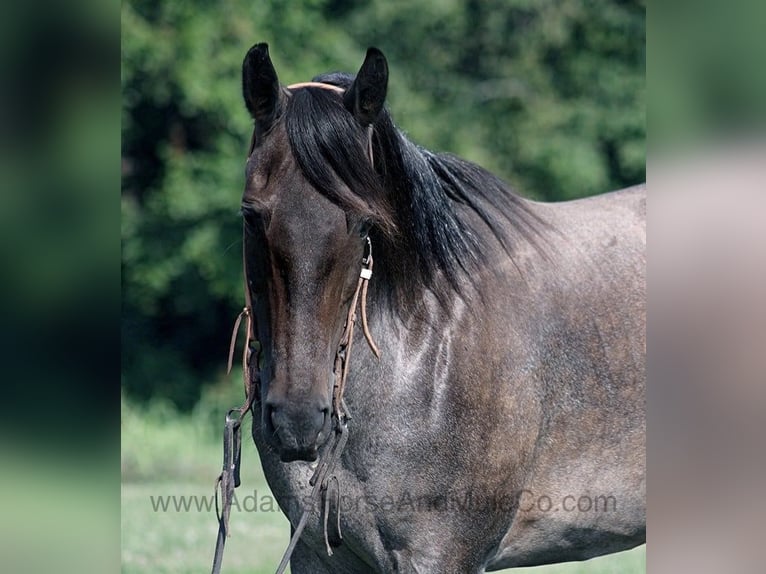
{"x": 297, "y": 428}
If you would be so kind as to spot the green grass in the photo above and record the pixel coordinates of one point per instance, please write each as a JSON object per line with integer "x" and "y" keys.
{"x": 166, "y": 454}
{"x": 630, "y": 562}
{"x": 180, "y": 542}
{"x": 59, "y": 509}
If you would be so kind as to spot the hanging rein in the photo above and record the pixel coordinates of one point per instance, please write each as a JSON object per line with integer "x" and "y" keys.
{"x": 323, "y": 476}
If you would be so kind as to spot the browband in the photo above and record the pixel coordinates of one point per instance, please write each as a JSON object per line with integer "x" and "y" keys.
{"x": 316, "y": 85}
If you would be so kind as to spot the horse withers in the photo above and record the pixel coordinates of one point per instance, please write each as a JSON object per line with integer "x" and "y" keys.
{"x": 504, "y": 422}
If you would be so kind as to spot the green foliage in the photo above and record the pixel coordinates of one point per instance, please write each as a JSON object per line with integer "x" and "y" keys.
{"x": 547, "y": 94}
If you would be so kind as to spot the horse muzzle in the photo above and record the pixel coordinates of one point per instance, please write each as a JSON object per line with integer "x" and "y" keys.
{"x": 296, "y": 430}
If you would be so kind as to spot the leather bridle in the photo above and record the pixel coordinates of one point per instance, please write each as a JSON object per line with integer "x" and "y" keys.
{"x": 324, "y": 475}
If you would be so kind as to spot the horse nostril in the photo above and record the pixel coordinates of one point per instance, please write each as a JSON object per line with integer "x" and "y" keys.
{"x": 271, "y": 417}
{"x": 325, "y": 416}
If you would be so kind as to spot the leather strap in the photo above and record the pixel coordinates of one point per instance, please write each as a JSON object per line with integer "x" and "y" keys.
{"x": 229, "y": 478}
{"x": 316, "y": 85}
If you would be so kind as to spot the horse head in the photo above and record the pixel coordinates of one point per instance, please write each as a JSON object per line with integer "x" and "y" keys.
{"x": 311, "y": 198}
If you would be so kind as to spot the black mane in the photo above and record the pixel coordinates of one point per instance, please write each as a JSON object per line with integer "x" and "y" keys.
{"x": 418, "y": 202}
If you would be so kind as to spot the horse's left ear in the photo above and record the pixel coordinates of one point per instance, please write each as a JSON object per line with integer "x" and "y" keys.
{"x": 367, "y": 94}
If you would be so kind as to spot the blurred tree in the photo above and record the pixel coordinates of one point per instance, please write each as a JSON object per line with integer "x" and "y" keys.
{"x": 547, "y": 94}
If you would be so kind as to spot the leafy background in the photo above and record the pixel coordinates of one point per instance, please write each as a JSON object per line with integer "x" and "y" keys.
{"x": 548, "y": 94}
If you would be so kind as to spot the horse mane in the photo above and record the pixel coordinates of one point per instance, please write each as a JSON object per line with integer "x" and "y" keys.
{"x": 425, "y": 209}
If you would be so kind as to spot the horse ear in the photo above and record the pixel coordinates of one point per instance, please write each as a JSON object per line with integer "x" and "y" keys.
{"x": 260, "y": 86}
{"x": 367, "y": 94}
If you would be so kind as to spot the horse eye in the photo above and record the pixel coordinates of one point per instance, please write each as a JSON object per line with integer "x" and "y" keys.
{"x": 254, "y": 217}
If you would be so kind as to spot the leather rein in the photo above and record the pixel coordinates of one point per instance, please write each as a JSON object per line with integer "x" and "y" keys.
{"x": 324, "y": 477}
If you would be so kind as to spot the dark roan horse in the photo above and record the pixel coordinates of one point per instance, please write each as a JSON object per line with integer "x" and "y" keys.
{"x": 504, "y": 423}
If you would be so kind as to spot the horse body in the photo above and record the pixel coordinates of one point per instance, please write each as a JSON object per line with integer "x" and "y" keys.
{"x": 503, "y": 424}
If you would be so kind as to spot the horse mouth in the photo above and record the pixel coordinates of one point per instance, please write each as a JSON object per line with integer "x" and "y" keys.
{"x": 309, "y": 454}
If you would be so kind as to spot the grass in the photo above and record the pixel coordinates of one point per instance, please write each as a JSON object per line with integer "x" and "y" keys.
{"x": 165, "y": 454}
{"x": 182, "y": 542}
{"x": 59, "y": 509}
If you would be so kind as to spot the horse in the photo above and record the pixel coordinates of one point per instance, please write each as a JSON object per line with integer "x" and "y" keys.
{"x": 493, "y": 413}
